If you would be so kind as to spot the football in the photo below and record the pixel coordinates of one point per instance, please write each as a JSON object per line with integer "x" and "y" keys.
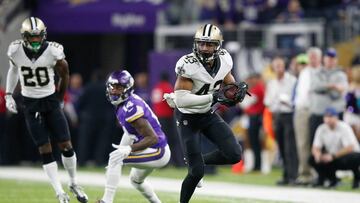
{"x": 231, "y": 92}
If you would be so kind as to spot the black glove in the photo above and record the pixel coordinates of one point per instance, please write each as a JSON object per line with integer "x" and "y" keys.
{"x": 237, "y": 93}
{"x": 242, "y": 91}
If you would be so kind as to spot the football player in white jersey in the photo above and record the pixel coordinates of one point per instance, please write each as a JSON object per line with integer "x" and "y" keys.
{"x": 34, "y": 61}
{"x": 199, "y": 75}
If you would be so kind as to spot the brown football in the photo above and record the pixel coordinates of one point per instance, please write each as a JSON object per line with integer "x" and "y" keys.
{"x": 230, "y": 93}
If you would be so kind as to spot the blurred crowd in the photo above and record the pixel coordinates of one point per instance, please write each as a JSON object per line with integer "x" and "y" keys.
{"x": 232, "y": 12}
{"x": 293, "y": 101}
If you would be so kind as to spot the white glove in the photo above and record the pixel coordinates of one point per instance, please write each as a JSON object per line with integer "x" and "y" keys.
{"x": 170, "y": 99}
{"x": 10, "y": 103}
{"x": 118, "y": 155}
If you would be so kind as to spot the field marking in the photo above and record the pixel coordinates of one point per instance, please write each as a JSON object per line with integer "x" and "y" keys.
{"x": 220, "y": 189}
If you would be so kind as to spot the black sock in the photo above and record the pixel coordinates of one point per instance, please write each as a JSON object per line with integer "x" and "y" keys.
{"x": 68, "y": 152}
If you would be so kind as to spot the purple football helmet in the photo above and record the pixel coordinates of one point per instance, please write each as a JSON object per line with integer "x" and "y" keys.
{"x": 123, "y": 79}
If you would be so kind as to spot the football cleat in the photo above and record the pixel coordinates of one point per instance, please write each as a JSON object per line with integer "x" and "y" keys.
{"x": 63, "y": 198}
{"x": 78, "y": 193}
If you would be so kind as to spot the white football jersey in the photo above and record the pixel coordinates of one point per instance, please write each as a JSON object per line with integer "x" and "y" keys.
{"x": 189, "y": 66}
{"x": 36, "y": 75}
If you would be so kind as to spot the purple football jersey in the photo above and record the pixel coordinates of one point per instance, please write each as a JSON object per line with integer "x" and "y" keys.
{"x": 135, "y": 108}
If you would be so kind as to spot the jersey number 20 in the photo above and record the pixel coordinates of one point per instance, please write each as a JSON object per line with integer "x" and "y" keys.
{"x": 41, "y": 75}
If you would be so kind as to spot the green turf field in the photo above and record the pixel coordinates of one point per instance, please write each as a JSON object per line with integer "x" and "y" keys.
{"x": 13, "y": 191}
{"x": 224, "y": 174}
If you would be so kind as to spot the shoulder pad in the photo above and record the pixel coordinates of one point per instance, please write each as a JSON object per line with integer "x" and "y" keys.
{"x": 57, "y": 50}
{"x": 187, "y": 65}
{"x": 13, "y": 47}
{"x": 132, "y": 111}
{"x": 226, "y": 57}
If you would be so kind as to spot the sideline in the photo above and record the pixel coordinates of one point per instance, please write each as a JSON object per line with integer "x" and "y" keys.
{"x": 221, "y": 189}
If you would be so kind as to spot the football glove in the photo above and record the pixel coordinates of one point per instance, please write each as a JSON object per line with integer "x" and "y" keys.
{"x": 10, "y": 103}
{"x": 170, "y": 99}
{"x": 118, "y": 155}
{"x": 241, "y": 90}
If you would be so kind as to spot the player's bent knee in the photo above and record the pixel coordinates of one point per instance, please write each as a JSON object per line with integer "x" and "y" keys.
{"x": 135, "y": 179}
{"x": 45, "y": 148}
{"x": 235, "y": 159}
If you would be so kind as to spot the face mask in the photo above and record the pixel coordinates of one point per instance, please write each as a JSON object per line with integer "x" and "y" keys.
{"x": 35, "y": 46}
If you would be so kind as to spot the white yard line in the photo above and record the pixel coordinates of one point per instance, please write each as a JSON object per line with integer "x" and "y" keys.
{"x": 289, "y": 194}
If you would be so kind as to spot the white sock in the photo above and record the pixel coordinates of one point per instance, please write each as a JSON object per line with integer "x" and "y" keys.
{"x": 147, "y": 191}
{"x": 70, "y": 166}
{"x": 113, "y": 174}
{"x": 51, "y": 170}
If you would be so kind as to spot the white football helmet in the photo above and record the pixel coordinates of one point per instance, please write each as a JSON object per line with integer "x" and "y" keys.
{"x": 208, "y": 33}
{"x": 32, "y": 27}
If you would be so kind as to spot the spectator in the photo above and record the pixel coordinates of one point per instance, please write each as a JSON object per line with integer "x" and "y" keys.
{"x": 142, "y": 86}
{"x": 293, "y": 13}
{"x": 328, "y": 88}
{"x": 335, "y": 148}
{"x": 254, "y": 108}
{"x": 278, "y": 100}
{"x": 71, "y": 104}
{"x": 166, "y": 118}
{"x": 302, "y": 114}
{"x": 75, "y": 88}
{"x": 97, "y": 122}
{"x": 352, "y": 113}
{"x": 301, "y": 61}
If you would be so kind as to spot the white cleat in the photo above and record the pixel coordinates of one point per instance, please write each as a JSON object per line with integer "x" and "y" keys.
{"x": 78, "y": 193}
{"x": 63, "y": 198}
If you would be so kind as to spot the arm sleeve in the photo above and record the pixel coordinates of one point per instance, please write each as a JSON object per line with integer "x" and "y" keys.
{"x": 12, "y": 78}
{"x": 184, "y": 98}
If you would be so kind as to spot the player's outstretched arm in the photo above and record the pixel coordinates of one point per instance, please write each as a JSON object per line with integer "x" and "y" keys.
{"x": 62, "y": 69}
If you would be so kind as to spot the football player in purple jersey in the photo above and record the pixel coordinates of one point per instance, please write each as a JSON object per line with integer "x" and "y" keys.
{"x": 143, "y": 145}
